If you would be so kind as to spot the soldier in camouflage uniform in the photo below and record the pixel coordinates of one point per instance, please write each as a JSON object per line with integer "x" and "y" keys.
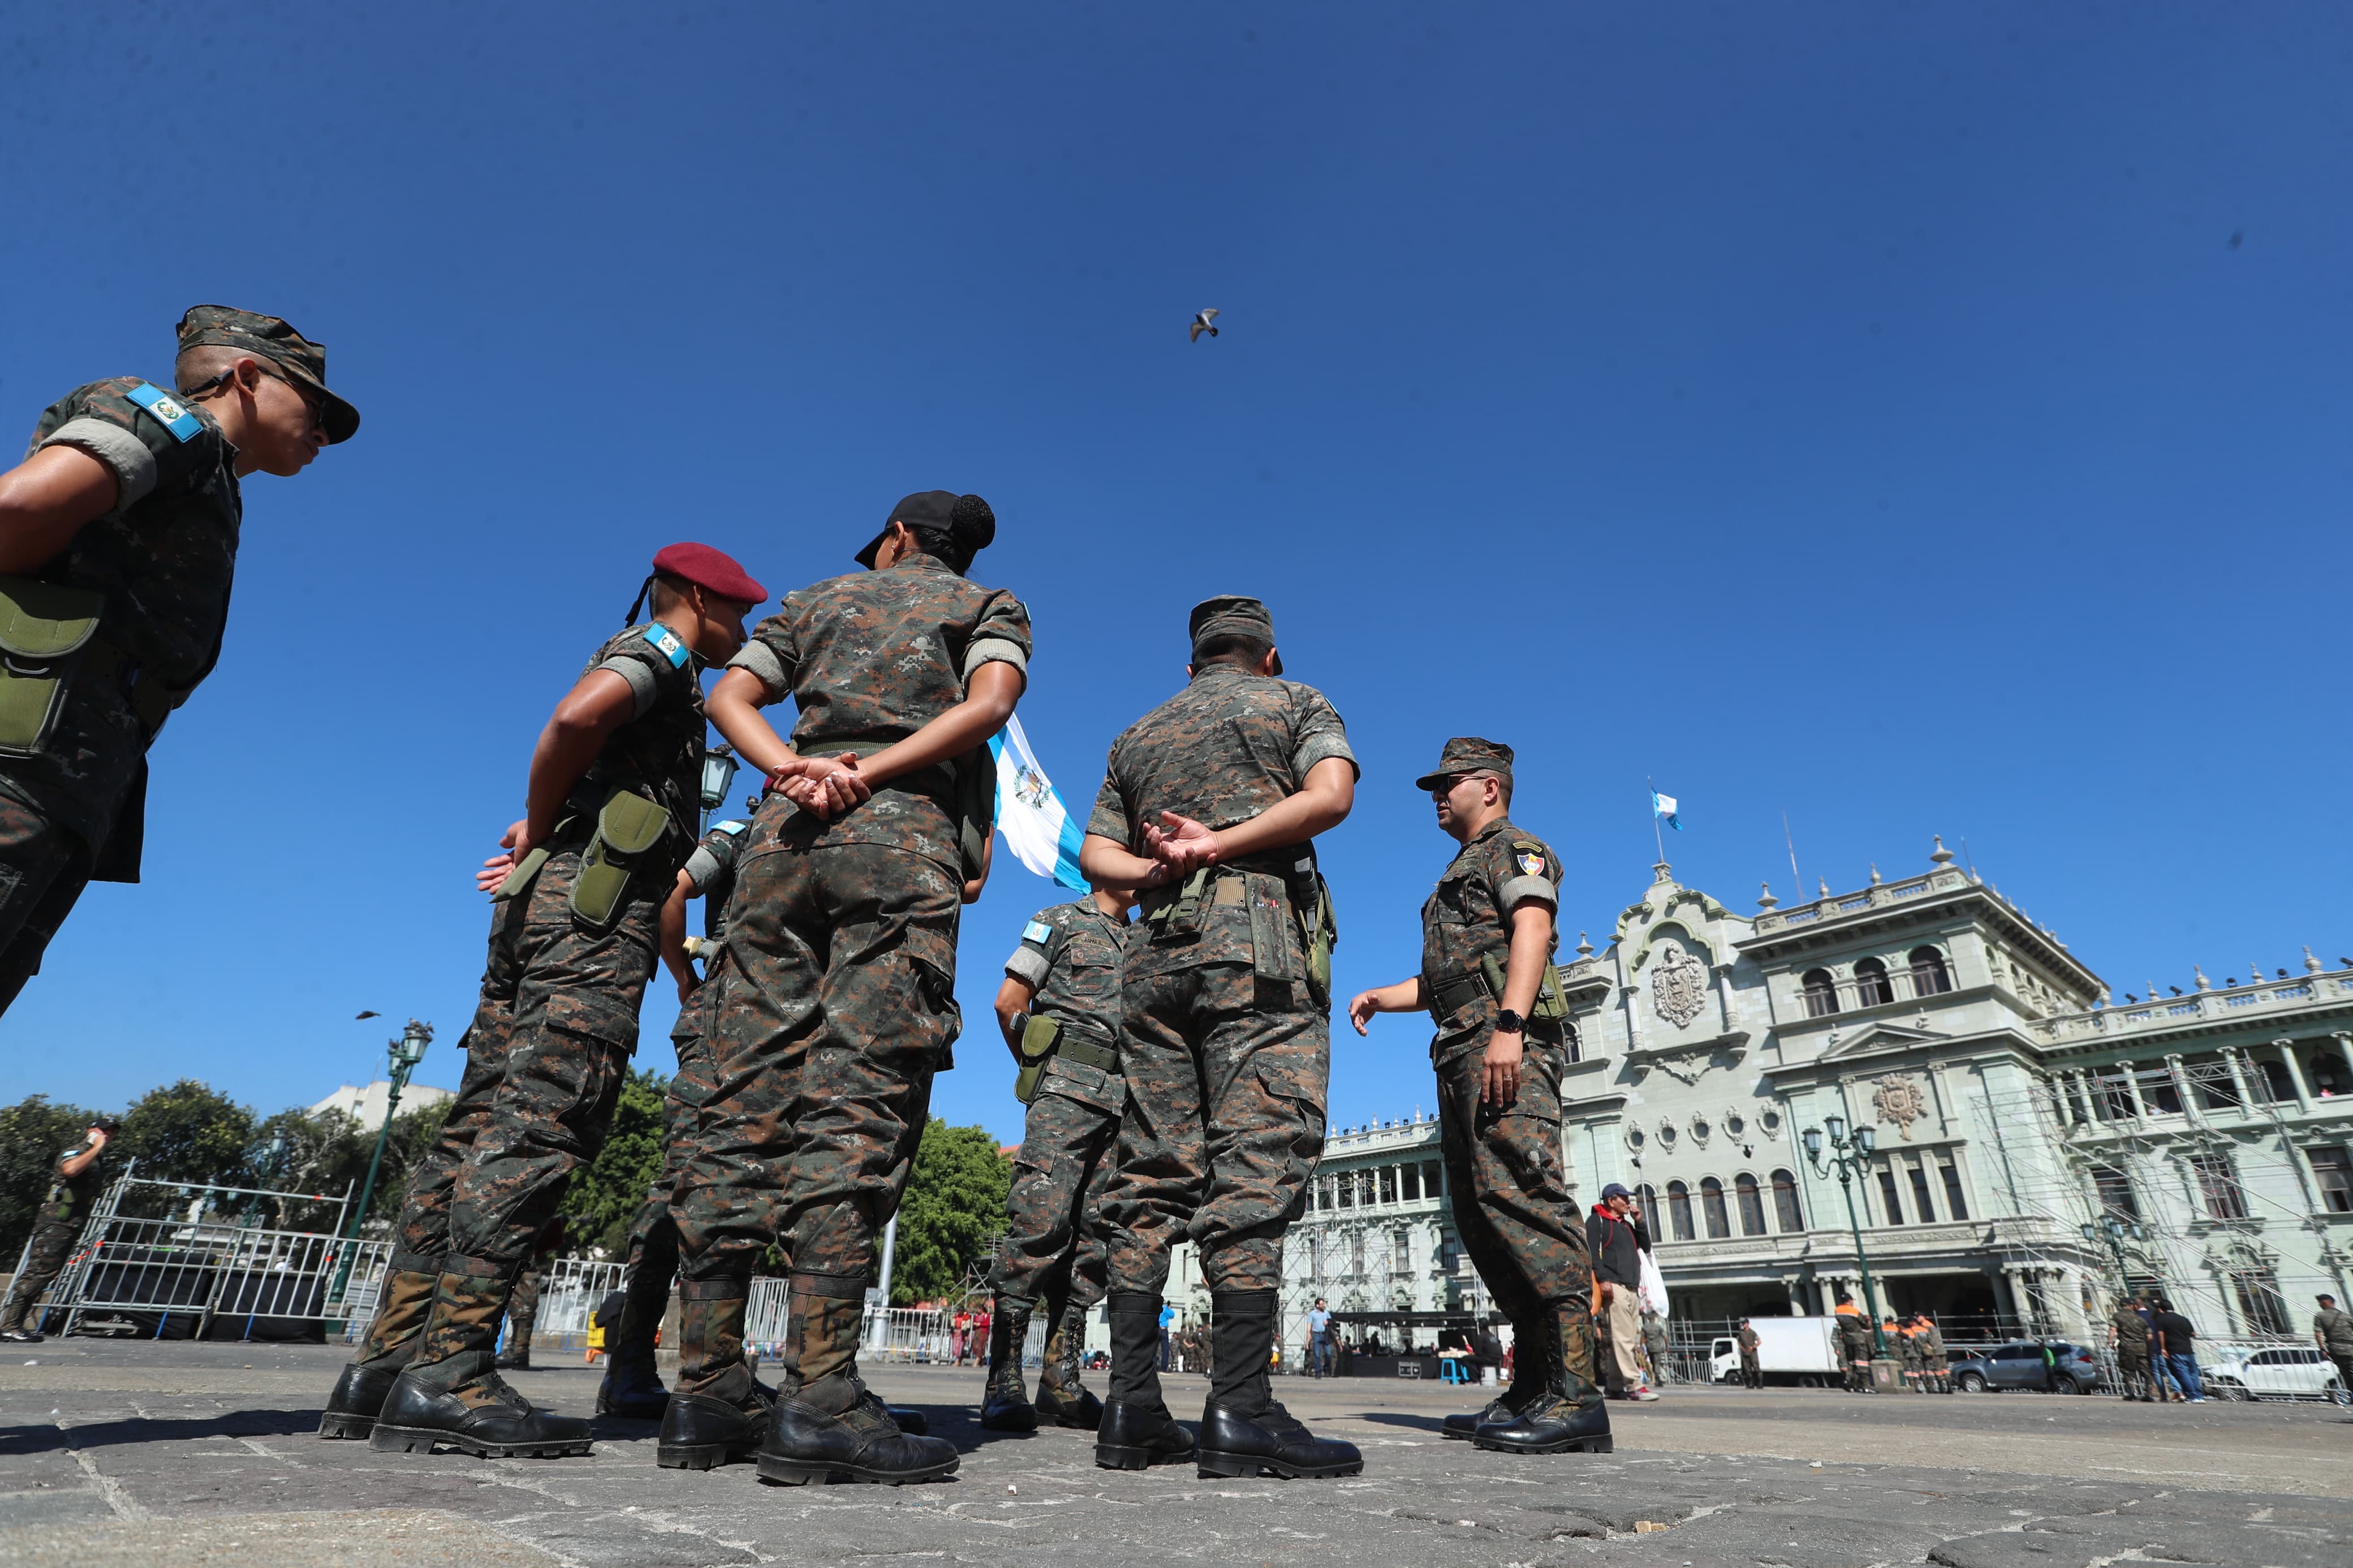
{"x": 1211, "y": 803}
{"x": 1062, "y": 981}
{"x": 1487, "y": 941}
{"x": 615, "y": 788}
{"x": 523, "y": 1301}
{"x": 118, "y": 540}
{"x": 2128, "y": 1337}
{"x": 80, "y": 1178}
{"x": 836, "y": 1003}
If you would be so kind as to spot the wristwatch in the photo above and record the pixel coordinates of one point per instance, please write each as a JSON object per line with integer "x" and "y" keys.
{"x": 1509, "y": 1022}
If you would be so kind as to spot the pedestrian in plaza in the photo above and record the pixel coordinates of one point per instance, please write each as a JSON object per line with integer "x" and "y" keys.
{"x": 1656, "y": 1348}
{"x": 1854, "y": 1344}
{"x": 1752, "y": 1373}
{"x": 2128, "y": 1341}
{"x": 959, "y": 1335}
{"x": 1616, "y": 1243}
{"x": 1935, "y": 1359}
{"x": 1059, "y": 1010}
{"x": 522, "y": 1304}
{"x": 1488, "y": 934}
{"x": 1905, "y": 1339}
{"x": 1167, "y": 1361}
{"x": 1319, "y": 1338}
{"x": 837, "y": 1001}
{"x": 613, "y": 796}
{"x": 2332, "y": 1331}
{"x": 118, "y": 541}
{"x": 78, "y": 1176}
{"x": 1212, "y": 802}
{"x": 978, "y": 1340}
{"x": 2177, "y": 1341}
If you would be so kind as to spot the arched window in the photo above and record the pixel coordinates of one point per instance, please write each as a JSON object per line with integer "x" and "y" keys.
{"x": 1710, "y": 1204}
{"x": 1785, "y": 1212}
{"x": 1821, "y": 993}
{"x": 1871, "y": 984}
{"x": 1648, "y": 1196}
{"x": 1929, "y": 975}
{"x": 1679, "y": 1210}
{"x": 2276, "y": 1080}
{"x": 1752, "y": 1204}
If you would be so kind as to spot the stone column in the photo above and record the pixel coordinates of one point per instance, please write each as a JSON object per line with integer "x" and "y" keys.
{"x": 2190, "y": 1110}
{"x": 2238, "y": 1078}
{"x": 2345, "y": 1044}
{"x": 2295, "y": 1074}
{"x": 2131, "y": 1090}
{"x": 2090, "y": 1096}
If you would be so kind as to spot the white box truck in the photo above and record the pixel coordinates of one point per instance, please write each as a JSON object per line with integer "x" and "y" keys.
{"x": 1800, "y": 1351}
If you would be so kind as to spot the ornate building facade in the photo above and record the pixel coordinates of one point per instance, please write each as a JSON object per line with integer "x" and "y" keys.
{"x": 2039, "y": 1143}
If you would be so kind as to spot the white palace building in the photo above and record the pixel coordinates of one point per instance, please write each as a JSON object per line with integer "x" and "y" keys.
{"x": 2039, "y": 1140}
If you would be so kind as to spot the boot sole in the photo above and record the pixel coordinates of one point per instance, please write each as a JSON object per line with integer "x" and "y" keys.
{"x": 699, "y": 1456}
{"x": 1215, "y": 1465}
{"x": 1454, "y": 1436}
{"x": 1602, "y": 1445}
{"x": 801, "y": 1472}
{"x": 1123, "y": 1457}
{"x": 1025, "y": 1420}
{"x": 334, "y": 1424}
{"x": 425, "y": 1439}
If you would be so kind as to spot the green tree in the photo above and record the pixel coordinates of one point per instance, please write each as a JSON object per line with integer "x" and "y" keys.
{"x": 298, "y": 1152}
{"x": 605, "y": 1194}
{"x": 953, "y": 1211}
{"x": 187, "y": 1133}
{"x": 32, "y": 1134}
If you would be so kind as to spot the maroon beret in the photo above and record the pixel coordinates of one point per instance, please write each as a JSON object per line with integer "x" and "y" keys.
{"x": 708, "y": 568}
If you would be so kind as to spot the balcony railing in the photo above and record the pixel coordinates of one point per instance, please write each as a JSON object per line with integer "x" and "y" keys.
{"x": 2226, "y": 1002}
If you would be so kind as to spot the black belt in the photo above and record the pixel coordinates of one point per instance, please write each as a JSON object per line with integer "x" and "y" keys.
{"x": 1103, "y": 1058}
{"x": 1450, "y": 996}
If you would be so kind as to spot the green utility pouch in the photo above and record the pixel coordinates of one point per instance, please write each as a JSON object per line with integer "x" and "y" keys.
{"x": 44, "y": 629}
{"x": 1321, "y": 930}
{"x": 1550, "y": 1006}
{"x": 1039, "y": 1038}
{"x": 627, "y": 826}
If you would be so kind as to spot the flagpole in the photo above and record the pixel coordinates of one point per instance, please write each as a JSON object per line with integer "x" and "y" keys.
{"x": 1791, "y": 840}
{"x": 1656, "y": 836}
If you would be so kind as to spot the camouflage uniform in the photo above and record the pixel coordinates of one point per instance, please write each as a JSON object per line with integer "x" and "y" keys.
{"x": 74, "y": 811}
{"x": 836, "y": 1002}
{"x": 55, "y": 1231}
{"x": 550, "y": 1044}
{"x": 2132, "y": 1353}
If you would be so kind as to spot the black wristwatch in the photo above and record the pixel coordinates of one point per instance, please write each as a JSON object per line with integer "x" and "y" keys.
{"x": 1510, "y": 1023}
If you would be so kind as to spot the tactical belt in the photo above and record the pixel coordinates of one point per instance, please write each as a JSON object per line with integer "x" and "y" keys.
{"x": 1448, "y": 997}
{"x": 150, "y": 699}
{"x": 1102, "y": 1055}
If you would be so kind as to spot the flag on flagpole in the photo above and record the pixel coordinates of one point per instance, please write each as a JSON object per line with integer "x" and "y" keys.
{"x": 1038, "y": 829}
{"x": 1664, "y": 805}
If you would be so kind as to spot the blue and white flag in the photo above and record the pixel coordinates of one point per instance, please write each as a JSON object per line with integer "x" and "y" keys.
{"x": 1043, "y": 835}
{"x": 1664, "y": 805}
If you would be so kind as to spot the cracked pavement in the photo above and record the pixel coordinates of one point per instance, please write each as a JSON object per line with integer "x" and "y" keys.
{"x": 116, "y": 1453}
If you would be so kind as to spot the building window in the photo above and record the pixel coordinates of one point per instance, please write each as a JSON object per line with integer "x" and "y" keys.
{"x": 2158, "y": 1090}
{"x": 2334, "y": 1170}
{"x": 1955, "y": 1207}
{"x": 1401, "y": 1252}
{"x": 1388, "y": 1183}
{"x": 2116, "y": 1192}
{"x": 1364, "y": 1188}
{"x": 1432, "y": 1185}
{"x": 2276, "y": 1080}
{"x": 2218, "y": 1187}
{"x": 1410, "y": 1179}
{"x": 1356, "y": 1252}
{"x": 1871, "y": 984}
{"x": 1648, "y": 1196}
{"x": 1347, "y": 1187}
{"x": 2116, "y": 1099}
{"x": 1576, "y": 1048}
{"x": 1752, "y": 1204}
{"x": 1679, "y": 1210}
{"x": 1785, "y": 1211}
{"x": 1710, "y": 1204}
{"x": 2215, "y": 1086}
{"x": 2260, "y": 1306}
{"x": 1821, "y": 993}
{"x": 1929, "y": 975}
{"x": 1892, "y": 1209}
{"x": 1921, "y": 1210}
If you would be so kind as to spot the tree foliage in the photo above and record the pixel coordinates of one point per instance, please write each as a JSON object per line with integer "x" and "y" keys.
{"x": 953, "y": 1211}
{"x": 604, "y": 1195}
{"x": 187, "y": 1131}
{"x": 33, "y": 1133}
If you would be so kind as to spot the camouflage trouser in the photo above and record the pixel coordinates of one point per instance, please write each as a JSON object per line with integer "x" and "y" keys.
{"x": 564, "y": 1000}
{"x": 1511, "y": 1203}
{"x": 43, "y": 869}
{"x": 51, "y": 1245}
{"x": 1053, "y": 1248}
{"x": 2132, "y": 1369}
{"x": 523, "y": 1307}
{"x": 1226, "y": 1075}
{"x": 652, "y": 1250}
{"x": 834, "y": 1007}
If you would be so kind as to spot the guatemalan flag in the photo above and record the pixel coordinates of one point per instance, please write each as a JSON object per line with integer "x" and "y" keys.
{"x": 1664, "y": 807}
{"x": 1041, "y": 831}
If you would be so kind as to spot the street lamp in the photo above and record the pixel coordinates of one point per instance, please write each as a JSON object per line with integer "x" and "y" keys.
{"x": 719, "y": 765}
{"x": 404, "y": 1054}
{"x": 1848, "y": 1155}
{"x": 2114, "y": 1229}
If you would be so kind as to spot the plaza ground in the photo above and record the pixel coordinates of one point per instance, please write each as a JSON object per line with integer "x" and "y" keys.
{"x": 159, "y": 1454}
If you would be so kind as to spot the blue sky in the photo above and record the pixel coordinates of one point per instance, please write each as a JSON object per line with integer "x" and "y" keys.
{"x": 1919, "y": 420}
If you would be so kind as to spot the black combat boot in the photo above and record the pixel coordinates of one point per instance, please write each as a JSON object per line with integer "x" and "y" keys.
{"x": 1570, "y": 1415}
{"x": 450, "y": 1395}
{"x": 1063, "y": 1398}
{"x": 632, "y": 1388}
{"x": 403, "y": 1303}
{"x": 1243, "y": 1431}
{"x": 720, "y": 1411}
{"x": 1528, "y": 1382}
{"x": 1136, "y": 1430}
{"x": 825, "y": 1422}
{"x": 1004, "y": 1402}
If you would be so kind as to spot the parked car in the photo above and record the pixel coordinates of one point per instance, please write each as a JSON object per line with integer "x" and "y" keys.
{"x": 2019, "y": 1364}
{"x": 2281, "y": 1371}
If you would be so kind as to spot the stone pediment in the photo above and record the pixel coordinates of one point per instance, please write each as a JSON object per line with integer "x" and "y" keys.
{"x": 1872, "y": 1038}
{"x": 1685, "y": 1062}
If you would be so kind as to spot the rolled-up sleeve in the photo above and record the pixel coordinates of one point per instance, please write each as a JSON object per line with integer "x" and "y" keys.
{"x": 1320, "y": 736}
{"x": 996, "y": 651}
{"x": 1109, "y": 820}
{"x": 761, "y": 659}
{"x": 1028, "y": 963}
{"x": 1001, "y": 636}
{"x": 135, "y": 469}
{"x": 643, "y": 685}
{"x": 1519, "y": 891}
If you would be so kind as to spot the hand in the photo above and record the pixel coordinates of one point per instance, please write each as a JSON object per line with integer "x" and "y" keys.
{"x": 98, "y": 1137}
{"x": 1361, "y": 1009}
{"x": 516, "y": 844}
{"x": 1181, "y": 844}
{"x": 689, "y": 983}
{"x": 1502, "y": 1064}
{"x": 1608, "y": 1291}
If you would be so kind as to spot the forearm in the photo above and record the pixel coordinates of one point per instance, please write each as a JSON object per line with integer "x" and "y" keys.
{"x": 1405, "y": 996}
{"x": 557, "y": 763}
{"x": 671, "y": 931}
{"x": 733, "y": 708}
{"x": 1531, "y": 948}
{"x": 1323, "y": 806}
{"x": 1106, "y": 863}
{"x": 80, "y": 1162}
{"x": 1013, "y": 999}
{"x": 994, "y": 690}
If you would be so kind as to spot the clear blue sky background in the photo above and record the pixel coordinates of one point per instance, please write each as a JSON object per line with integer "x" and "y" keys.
{"x": 1864, "y": 411}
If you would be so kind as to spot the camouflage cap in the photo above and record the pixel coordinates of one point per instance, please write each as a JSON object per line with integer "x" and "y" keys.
{"x": 1232, "y": 615}
{"x": 267, "y": 337}
{"x": 1468, "y": 754}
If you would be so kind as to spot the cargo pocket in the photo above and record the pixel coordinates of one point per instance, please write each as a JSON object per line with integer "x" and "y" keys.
{"x": 1295, "y": 1080}
{"x": 933, "y": 954}
{"x": 44, "y": 629}
{"x": 628, "y": 825}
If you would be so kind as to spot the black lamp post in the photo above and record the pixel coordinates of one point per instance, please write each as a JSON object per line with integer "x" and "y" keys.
{"x": 404, "y": 1054}
{"x": 719, "y": 765}
{"x": 2114, "y": 1229}
{"x": 1848, "y": 1155}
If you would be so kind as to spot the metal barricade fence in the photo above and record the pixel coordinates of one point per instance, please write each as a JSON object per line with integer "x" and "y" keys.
{"x": 918, "y": 1334}
{"x": 170, "y": 1268}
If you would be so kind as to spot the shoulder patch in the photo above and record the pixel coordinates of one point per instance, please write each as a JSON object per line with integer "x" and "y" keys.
{"x": 169, "y": 411}
{"x": 730, "y": 827}
{"x": 667, "y": 644}
{"x": 1529, "y": 857}
{"x": 1037, "y": 931}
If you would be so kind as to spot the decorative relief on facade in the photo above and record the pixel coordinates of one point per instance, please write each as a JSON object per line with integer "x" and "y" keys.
{"x": 1700, "y": 1130}
{"x": 1898, "y": 1098}
{"x": 1678, "y": 986}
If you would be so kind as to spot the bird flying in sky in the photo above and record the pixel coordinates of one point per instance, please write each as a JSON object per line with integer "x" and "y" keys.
{"x": 1203, "y": 322}
{"x": 368, "y": 1014}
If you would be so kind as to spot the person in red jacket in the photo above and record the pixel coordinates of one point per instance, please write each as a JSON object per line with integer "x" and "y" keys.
{"x": 1616, "y": 1240}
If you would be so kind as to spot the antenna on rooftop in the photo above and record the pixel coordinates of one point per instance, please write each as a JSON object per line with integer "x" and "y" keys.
{"x": 1795, "y": 880}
